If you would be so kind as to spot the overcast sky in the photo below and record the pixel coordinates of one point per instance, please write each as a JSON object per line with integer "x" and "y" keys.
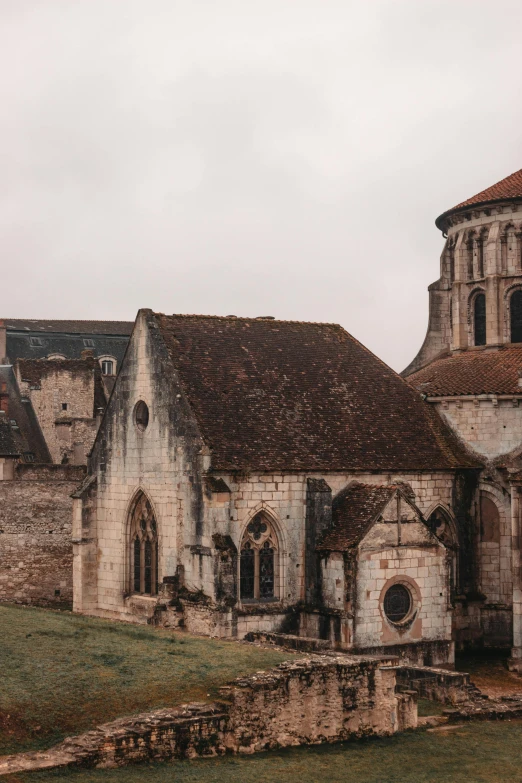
{"x": 248, "y": 157}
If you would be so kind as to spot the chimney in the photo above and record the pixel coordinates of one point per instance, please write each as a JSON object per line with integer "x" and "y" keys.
{"x": 88, "y": 353}
{"x": 4, "y": 398}
{"x": 3, "y": 342}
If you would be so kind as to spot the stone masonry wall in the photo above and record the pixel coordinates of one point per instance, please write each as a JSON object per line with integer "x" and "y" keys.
{"x": 60, "y": 385}
{"x": 312, "y": 700}
{"x": 35, "y": 535}
{"x": 489, "y": 425}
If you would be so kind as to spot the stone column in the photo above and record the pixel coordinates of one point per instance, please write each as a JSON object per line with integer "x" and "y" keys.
{"x": 515, "y": 662}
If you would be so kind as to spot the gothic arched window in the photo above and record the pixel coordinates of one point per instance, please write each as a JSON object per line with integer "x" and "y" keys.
{"x": 479, "y": 319}
{"x": 143, "y": 535}
{"x": 258, "y": 561}
{"x": 515, "y": 315}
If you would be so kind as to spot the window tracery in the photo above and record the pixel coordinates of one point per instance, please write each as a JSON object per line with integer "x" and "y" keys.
{"x": 143, "y": 536}
{"x": 258, "y": 561}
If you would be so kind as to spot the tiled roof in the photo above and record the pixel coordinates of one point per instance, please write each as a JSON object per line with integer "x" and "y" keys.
{"x": 508, "y": 188}
{"x": 472, "y": 372}
{"x": 285, "y": 395}
{"x": 353, "y": 512}
{"x": 69, "y": 327}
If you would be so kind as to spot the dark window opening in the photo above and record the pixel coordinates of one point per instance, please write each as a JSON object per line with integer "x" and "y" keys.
{"x": 470, "y": 259}
{"x": 515, "y": 312}
{"x": 28, "y": 456}
{"x": 144, "y": 549}
{"x": 479, "y": 320}
{"x": 247, "y": 572}
{"x": 397, "y": 603}
{"x": 480, "y": 256}
{"x": 64, "y": 406}
{"x": 137, "y": 565}
{"x": 57, "y": 592}
{"x": 266, "y": 571}
{"x": 141, "y": 416}
{"x": 258, "y": 561}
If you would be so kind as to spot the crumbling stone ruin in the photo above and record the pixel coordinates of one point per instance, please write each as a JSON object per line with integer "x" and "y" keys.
{"x": 312, "y": 700}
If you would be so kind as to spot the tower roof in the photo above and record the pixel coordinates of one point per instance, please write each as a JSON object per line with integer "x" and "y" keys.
{"x": 508, "y": 188}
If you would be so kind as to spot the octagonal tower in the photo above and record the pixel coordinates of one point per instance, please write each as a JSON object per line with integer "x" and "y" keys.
{"x": 477, "y": 302}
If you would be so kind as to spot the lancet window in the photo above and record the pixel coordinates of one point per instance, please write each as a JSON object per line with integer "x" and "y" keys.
{"x": 259, "y": 561}
{"x": 515, "y": 314}
{"x": 143, "y": 548}
{"x": 479, "y": 319}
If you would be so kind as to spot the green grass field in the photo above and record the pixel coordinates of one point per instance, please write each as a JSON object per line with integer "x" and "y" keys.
{"x": 62, "y": 674}
{"x": 475, "y": 753}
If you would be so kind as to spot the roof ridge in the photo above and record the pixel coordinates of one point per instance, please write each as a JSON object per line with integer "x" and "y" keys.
{"x": 269, "y": 318}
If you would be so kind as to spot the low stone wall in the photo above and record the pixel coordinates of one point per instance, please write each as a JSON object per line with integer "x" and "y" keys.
{"x": 446, "y": 687}
{"x": 311, "y": 700}
{"x": 289, "y": 641}
{"x": 433, "y": 653}
{"x": 207, "y": 619}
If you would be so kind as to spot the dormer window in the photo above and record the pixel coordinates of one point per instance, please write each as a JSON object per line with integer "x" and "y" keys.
{"x": 107, "y": 367}
{"x": 88, "y": 343}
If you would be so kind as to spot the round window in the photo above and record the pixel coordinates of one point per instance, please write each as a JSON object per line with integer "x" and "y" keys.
{"x": 141, "y": 416}
{"x": 397, "y": 603}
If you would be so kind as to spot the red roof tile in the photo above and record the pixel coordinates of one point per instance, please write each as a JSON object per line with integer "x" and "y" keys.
{"x": 285, "y": 395}
{"x": 472, "y": 372}
{"x": 508, "y": 188}
{"x": 354, "y": 511}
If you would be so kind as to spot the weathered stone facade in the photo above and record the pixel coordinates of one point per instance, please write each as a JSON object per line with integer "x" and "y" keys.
{"x": 469, "y": 369}
{"x": 52, "y": 395}
{"x": 201, "y": 520}
{"x": 35, "y": 534}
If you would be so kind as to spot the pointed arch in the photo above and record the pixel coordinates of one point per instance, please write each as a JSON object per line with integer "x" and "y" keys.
{"x": 477, "y": 317}
{"x": 442, "y": 524}
{"x": 142, "y": 545}
{"x": 260, "y": 560}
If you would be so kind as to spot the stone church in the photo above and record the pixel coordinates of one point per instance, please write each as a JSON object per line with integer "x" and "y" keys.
{"x": 252, "y": 474}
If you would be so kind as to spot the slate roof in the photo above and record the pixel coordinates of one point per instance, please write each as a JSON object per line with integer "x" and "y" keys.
{"x": 472, "y": 373}
{"x": 287, "y": 395}
{"x": 69, "y": 327}
{"x": 354, "y": 511}
{"x": 26, "y": 432}
{"x": 41, "y": 343}
{"x": 508, "y": 188}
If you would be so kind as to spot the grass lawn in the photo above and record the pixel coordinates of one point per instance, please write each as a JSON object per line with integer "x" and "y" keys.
{"x": 475, "y": 753}
{"x": 62, "y": 674}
